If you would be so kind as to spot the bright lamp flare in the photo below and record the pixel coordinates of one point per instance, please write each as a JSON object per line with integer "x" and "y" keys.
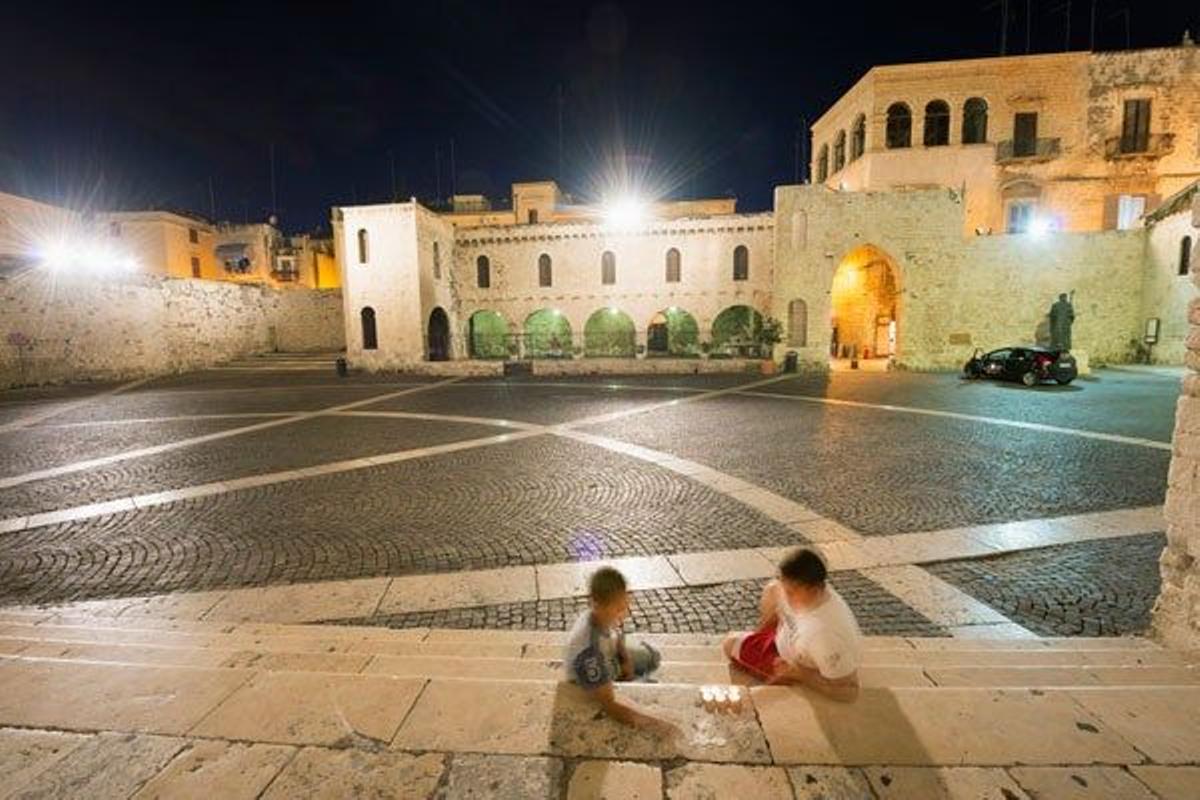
{"x": 85, "y": 256}
{"x": 625, "y": 212}
{"x": 1041, "y": 225}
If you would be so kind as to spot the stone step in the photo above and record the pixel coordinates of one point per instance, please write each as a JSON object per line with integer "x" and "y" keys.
{"x": 918, "y": 726}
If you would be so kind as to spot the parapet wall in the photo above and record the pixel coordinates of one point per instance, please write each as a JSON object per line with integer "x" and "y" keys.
{"x": 56, "y": 328}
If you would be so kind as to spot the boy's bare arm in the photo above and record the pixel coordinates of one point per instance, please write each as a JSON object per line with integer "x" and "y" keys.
{"x": 768, "y": 605}
{"x": 625, "y": 713}
{"x": 842, "y": 689}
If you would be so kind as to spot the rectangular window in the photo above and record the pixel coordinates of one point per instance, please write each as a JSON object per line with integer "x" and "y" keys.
{"x": 1020, "y": 214}
{"x": 193, "y": 235}
{"x": 195, "y": 267}
{"x": 1025, "y": 134}
{"x": 1135, "y": 128}
{"x": 1130, "y": 208}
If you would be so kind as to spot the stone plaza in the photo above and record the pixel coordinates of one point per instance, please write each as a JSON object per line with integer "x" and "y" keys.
{"x": 265, "y": 580}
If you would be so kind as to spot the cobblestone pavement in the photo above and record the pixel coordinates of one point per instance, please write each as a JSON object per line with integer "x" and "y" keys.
{"x": 894, "y": 473}
{"x": 694, "y": 609}
{"x": 1099, "y": 588}
{"x": 1111, "y": 401}
{"x": 546, "y": 499}
{"x": 524, "y": 502}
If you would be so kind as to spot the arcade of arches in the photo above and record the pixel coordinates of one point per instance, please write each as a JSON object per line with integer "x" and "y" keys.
{"x": 865, "y": 300}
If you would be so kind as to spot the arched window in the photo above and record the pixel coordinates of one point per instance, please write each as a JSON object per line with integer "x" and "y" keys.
{"x": 899, "y": 126}
{"x": 437, "y": 261}
{"x": 858, "y": 138}
{"x": 798, "y": 323}
{"x": 823, "y": 164}
{"x": 483, "y": 272}
{"x": 673, "y": 266}
{"x": 937, "y": 123}
{"x": 608, "y": 268}
{"x": 975, "y": 121}
{"x": 1185, "y": 255}
{"x": 839, "y": 151}
{"x": 362, "y": 245}
{"x": 741, "y": 263}
{"x": 545, "y": 271}
{"x": 369, "y": 340}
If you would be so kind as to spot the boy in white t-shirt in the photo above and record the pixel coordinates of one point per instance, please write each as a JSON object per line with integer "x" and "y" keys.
{"x": 806, "y": 634}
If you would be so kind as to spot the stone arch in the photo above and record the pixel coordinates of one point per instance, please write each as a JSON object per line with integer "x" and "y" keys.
{"x": 858, "y": 137}
{"x": 609, "y": 332}
{"x": 547, "y": 334}
{"x": 898, "y": 133}
{"x": 437, "y": 339}
{"x": 797, "y": 323}
{"x": 975, "y": 121}
{"x": 937, "y": 123}
{"x": 735, "y": 332}
{"x": 673, "y": 332}
{"x": 488, "y": 335}
{"x": 866, "y": 308}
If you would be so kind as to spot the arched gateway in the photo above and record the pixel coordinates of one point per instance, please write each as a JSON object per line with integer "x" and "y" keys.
{"x": 865, "y": 305}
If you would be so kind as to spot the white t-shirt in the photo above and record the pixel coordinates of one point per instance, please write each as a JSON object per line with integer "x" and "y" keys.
{"x": 826, "y": 637}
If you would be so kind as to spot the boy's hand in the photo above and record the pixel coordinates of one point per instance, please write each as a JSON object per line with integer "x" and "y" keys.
{"x": 626, "y": 667}
{"x": 659, "y": 727}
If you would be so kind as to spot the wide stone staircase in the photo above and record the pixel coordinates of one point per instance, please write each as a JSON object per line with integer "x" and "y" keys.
{"x": 93, "y": 707}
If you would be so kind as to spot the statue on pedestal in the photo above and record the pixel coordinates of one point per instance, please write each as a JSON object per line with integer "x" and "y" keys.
{"x": 1062, "y": 316}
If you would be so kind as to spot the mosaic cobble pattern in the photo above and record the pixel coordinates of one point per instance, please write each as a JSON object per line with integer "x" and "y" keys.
{"x": 533, "y": 501}
{"x": 693, "y": 609}
{"x": 895, "y": 473}
{"x": 1099, "y": 588}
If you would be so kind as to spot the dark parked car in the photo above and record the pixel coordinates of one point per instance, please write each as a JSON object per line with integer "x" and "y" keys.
{"x": 1029, "y": 365}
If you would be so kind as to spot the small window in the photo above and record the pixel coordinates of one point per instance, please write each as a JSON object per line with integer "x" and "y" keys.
{"x": 193, "y": 236}
{"x": 1135, "y": 128}
{"x": 839, "y": 151}
{"x": 1130, "y": 208}
{"x": 1025, "y": 134}
{"x": 975, "y": 112}
{"x": 899, "y": 126}
{"x": 533, "y": 218}
{"x": 858, "y": 138}
{"x": 1020, "y": 215}
{"x": 195, "y": 266}
{"x": 362, "y": 247}
{"x": 545, "y": 271}
{"x": 823, "y": 164}
{"x": 608, "y": 268}
{"x": 673, "y": 266}
{"x": 741, "y": 263}
{"x": 1185, "y": 255}
{"x": 483, "y": 272}
{"x": 937, "y": 123}
{"x": 437, "y": 262}
{"x": 369, "y": 340}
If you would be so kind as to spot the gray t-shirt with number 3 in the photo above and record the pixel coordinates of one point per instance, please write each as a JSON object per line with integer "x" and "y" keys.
{"x": 591, "y": 657}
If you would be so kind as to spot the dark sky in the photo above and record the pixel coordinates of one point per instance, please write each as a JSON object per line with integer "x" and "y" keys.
{"x": 139, "y": 106}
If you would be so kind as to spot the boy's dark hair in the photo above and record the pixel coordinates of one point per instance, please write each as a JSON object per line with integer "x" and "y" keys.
{"x": 606, "y": 584}
{"x": 803, "y": 566}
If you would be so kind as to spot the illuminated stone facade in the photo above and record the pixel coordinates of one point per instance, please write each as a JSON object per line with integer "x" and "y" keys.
{"x": 1079, "y": 141}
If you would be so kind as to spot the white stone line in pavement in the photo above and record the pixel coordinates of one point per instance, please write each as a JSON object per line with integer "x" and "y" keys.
{"x": 498, "y": 422}
{"x": 932, "y": 412}
{"x": 170, "y": 418}
{"x": 56, "y": 408}
{"x": 876, "y": 557}
{"x": 938, "y": 601}
{"x": 102, "y": 461}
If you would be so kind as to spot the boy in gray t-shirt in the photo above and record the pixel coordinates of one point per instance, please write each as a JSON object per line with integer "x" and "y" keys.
{"x": 596, "y": 654}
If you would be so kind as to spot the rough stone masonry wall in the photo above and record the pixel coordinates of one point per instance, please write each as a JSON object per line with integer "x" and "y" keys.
{"x": 59, "y": 328}
{"x": 1177, "y": 613}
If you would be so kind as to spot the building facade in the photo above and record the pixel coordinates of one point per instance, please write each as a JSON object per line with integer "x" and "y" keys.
{"x": 1073, "y": 141}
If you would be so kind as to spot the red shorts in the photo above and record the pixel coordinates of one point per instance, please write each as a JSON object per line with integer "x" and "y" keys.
{"x": 757, "y": 652}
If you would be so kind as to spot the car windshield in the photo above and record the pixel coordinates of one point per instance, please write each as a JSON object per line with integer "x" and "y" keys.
{"x": 999, "y": 355}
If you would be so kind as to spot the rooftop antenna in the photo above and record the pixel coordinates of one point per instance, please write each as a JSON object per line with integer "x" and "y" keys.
{"x": 560, "y": 133}
{"x": 212, "y": 201}
{"x": 1092, "y": 29}
{"x": 1124, "y": 12}
{"x": 803, "y": 171}
{"x": 1003, "y": 27}
{"x": 437, "y": 171}
{"x": 1067, "y": 7}
{"x": 452, "y": 175}
{"x": 271, "y": 150}
{"x": 1028, "y": 24}
{"x": 392, "y": 168}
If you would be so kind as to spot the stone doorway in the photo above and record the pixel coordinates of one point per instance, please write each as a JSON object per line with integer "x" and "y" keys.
{"x": 865, "y": 307}
{"x": 438, "y": 338}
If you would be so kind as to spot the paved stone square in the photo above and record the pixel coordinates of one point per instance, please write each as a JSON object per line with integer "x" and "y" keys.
{"x": 235, "y": 479}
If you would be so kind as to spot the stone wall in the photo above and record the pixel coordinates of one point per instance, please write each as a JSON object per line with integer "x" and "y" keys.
{"x": 1177, "y": 613}
{"x": 1165, "y": 293}
{"x": 60, "y": 328}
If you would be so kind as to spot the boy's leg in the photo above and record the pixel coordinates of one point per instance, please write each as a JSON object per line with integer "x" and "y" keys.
{"x": 644, "y": 658}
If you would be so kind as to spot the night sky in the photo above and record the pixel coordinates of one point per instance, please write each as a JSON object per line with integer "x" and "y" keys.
{"x": 141, "y": 106}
